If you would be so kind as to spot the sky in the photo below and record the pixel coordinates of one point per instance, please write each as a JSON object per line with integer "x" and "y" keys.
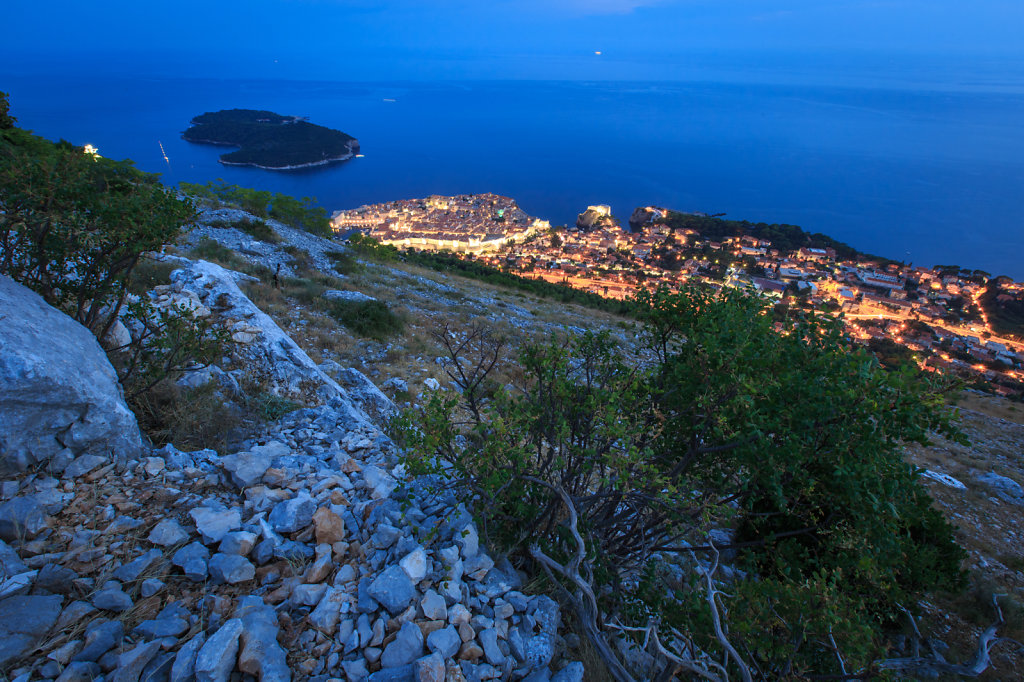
{"x": 547, "y": 39}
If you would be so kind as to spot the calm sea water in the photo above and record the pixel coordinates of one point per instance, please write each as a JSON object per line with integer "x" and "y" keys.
{"x": 921, "y": 175}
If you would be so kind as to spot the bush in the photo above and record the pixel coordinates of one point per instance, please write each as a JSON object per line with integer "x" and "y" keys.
{"x": 787, "y": 443}
{"x": 73, "y": 226}
{"x": 372, "y": 319}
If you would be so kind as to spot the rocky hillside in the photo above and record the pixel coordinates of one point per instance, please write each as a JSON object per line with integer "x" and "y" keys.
{"x": 298, "y": 549}
{"x": 270, "y": 531}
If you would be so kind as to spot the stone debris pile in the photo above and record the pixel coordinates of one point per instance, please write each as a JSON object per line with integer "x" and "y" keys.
{"x": 308, "y": 554}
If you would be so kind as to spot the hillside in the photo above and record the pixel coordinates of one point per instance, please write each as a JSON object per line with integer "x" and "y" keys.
{"x": 269, "y": 140}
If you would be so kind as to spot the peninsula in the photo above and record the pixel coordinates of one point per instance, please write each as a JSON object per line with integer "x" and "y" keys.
{"x": 271, "y": 141}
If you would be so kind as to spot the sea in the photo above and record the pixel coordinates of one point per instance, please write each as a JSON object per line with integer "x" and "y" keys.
{"x": 924, "y": 172}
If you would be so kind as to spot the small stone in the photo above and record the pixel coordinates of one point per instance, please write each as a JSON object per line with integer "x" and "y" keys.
{"x": 57, "y": 579}
{"x": 167, "y": 533}
{"x": 184, "y": 668}
{"x": 292, "y": 515}
{"x": 260, "y": 654}
{"x": 470, "y": 651}
{"x": 131, "y": 663}
{"x": 329, "y": 526}
{"x": 246, "y": 469}
{"x": 100, "y": 637}
{"x": 469, "y": 541}
{"x": 327, "y": 613}
{"x": 133, "y": 569}
{"x": 112, "y": 598}
{"x": 405, "y": 648}
{"x": 153, "y": 465}
{"x": 434, "y": 606}
{"x": 217, "y": 658}
{"x": 231, "y": 569}
{"x": 489, "y": 641}
{"x": 445, "y": 641}
{"x": 415, "y": 564}
{"x": 458, "y": 614}
{"x": 21, "y": 518}
{"x": 213, "y": 525}
{"x": 570, "y": 673}
{"x": 24, "y": 620}
{"x": 239, "y": 542}
{"x": 150, "y": 587}
{"x": 82, "y": 465}
{"x": 393, "y": 589}
{"x": 430, "y": 668}
{"x": 80, "y": 671}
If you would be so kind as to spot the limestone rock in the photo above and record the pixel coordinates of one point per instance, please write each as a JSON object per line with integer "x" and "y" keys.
{"x": 393, "y": 589}
{"x": 24, "y": 620}
{"x": 167, "y": 533}
{"x": 231, "y": 569}
{"x": 57, "y": 387}
{"x": 217, "y": 658}
{"x": 405, "y": 648}
{"x": 260, "y": 655}
{"x": 292, "y": 515}
{"x": 214, "y": 524}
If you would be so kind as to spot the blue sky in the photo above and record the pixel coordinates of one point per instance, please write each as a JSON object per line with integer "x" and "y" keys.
{"x": 492, "y": 38}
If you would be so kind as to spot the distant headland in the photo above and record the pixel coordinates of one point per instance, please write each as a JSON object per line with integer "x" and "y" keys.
{"x": 271, "y": 141}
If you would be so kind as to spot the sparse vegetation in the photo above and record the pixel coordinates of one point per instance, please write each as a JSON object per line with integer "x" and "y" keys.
{"x": 372, "y": 319}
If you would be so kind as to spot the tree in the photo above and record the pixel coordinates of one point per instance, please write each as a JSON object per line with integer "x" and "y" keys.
{"x": 73, "y": 226}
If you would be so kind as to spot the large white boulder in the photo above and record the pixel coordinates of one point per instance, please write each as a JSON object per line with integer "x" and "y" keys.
{"x": 263, "y": 344}
{"x": 57, "y": 389}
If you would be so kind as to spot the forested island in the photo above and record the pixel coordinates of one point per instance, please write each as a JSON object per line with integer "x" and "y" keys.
{"x": 269, "y": 140}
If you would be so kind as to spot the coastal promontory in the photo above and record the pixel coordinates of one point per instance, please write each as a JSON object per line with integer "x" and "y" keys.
{"x": 272, "y": 141}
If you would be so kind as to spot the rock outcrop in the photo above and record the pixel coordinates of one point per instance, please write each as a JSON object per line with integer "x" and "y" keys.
{"x": 59, "y": 395}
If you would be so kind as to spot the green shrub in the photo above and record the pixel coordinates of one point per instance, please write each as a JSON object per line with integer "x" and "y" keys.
{"x": 344, "y": 262}
{"x": 790, "y": 441}
{"x": 73, "y": 226}
{"x": 372, "y": 319}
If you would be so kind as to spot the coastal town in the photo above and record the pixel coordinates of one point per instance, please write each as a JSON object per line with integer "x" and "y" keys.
{"x": 940, "y": 318}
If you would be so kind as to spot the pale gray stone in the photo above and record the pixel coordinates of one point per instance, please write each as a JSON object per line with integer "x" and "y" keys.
{"x": 23, "y": 517}
{"x": 434, "y": 606}
{"x": 415, "y": 564}
{"x": 184, "y": 667}
{"x": 292, "y": 515}
{"x": 217, "y": 658}
{"x": 260, "y": 654}
{"x": 57, "y": 387}
{"x": 405, "y": 648}
{"x": 430, "y": 668}
{"x": 239, "y": 542}
{"x": 393, "y": 589}
{"x": 168, "y": 533}
{"x": 489, "y": 642}
{"x": 247, "y": 468}
{"x": 214, "y": 524}
{"x": 445, "y": 641}
{"x": 24, "y": 620}
{"x": 231, "y": 569}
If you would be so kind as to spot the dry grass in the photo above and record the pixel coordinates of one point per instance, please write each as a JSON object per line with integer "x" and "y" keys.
{"x": 988, "y": 527}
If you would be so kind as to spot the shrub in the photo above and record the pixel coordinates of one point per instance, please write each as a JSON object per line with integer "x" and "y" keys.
{"x": 73, "y": 226}
{"x": 787, "y": 442}
{"x": 372, "y": 319}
